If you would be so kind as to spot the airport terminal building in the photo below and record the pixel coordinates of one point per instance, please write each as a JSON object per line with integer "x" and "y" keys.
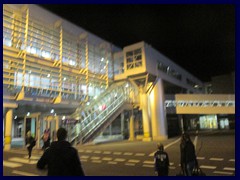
{"x": 56, "y": 74}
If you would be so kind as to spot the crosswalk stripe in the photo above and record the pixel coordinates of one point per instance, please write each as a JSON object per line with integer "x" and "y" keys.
{"x": 119, "y": 159}
{"x": 133, "y": 160}
{"x": 232, "y": 160}
{"x": 95, "y": 158}
{"x": 140, "y": 154}
{"x": 106, "y": 158}
{"x": 22, "y": 160}
{"x": 96, "y": 161}
{"x": 127, "y": 153}
{"x": 117, "y": 153}
{"x": 208, "y": 167}
{"x": 107, "y": 152}
{"x": 97, "y": 152}
{"x": 200, "y": 158}
{"x": 11, "y": 164}
{"x": 149, "y": 162}
{"x": 229, "y": 168}
{"x": 147, "y": 165}
{"x": 84, "y": 157}
{"x": 216, "y": 159}
{"x": 112, "y": 162}
{"x": 129, "y": 164}
{"x": 222, "y": 172}
{"x": 23, "y": 173}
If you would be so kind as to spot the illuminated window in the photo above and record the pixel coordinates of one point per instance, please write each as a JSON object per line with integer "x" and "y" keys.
{"x": 134, "y": 58}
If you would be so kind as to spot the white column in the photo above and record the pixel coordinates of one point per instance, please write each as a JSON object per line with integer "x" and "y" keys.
{"x": 8, "y": 130}
{"x": 146, "y": 121}
{"x": 159, "y": 120}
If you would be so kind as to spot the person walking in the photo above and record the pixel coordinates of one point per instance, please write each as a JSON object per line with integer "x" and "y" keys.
{"x": 61, "y": 159}
{"x": 30, "y": 142}
{"x": 188, "y": 155}
{"x": 161, "y": 161}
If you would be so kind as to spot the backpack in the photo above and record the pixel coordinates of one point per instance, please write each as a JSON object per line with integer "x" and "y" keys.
{"x": 161, "y": 159}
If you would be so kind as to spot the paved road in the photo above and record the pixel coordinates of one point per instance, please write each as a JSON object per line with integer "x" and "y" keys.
{"x": 215, "y": 152}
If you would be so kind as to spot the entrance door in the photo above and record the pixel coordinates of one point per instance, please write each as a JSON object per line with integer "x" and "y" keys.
{"x": 31, "y": 126}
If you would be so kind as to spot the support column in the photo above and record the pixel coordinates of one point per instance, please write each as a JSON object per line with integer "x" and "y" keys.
{"x": 38, "y": 133}
{"x": 8, "y": 130}
{"x": 146, "y": 122}
{"x": 159, "y": 120}
{"x": 131, "y": 128}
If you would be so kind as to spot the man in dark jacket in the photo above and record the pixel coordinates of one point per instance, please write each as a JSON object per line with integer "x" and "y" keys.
{"x": 61, "y": 159}
{"x": 161, "y": 161}
{"x": 188, "y": 156}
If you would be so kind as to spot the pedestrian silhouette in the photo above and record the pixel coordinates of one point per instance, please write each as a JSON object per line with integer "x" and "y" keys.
{"x": 188, "y": 156}
{"x": 30, "y": 142}
{"x": 161, "y": 161}
{"x": 61, "y": 159}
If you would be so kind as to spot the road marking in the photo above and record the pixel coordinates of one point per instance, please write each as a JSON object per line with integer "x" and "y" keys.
{"x": 89, "y": 151}
{"x": 107, "y": 152}
{"x": 80, "y": 150}
{"x": 168, "y": 145}
{"x": 117, "y": 153}
{"x": 133, "y": 161}
{"x": 222, "y": 172}
{"x": 112, "y": 162}
{"x": 96, "y": 161}
{"x": 149, "y": 162}
{"x": 229, "y": 169}
{"x": 11, "y": 164}
{"x": 216, "y": 159}
{"x": 83, "y": 160}
{"x": 233, "y": 160}
{"x": 172, "y": 167}
{"x": 24, "y": 173}
{"x": 140, "y": 154}
{"x": 208, "y": 167}
{"x": 200, "y": 158}
{"x": 95, "y": 158}
{"x": 195, "y": 141}
{"x": 106, "y": 158}
{"x": 147, "y": 165}
{"x": 22, "y": 160}
{"x": 97, "y": 152}
{"x": 128, "y": 153}
{"x": 85, "y": 157}
{"x": 171, "y": 163}
{"x": 129, "y": 164}
{"x": 119, "y": 159}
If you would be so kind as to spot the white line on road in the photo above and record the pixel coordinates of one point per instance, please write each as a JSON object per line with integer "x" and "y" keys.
{"x": 11, "y": 164}
{"x": 106, "y": 158}
{"x": 200, "y": 158}
{"x": 216, "y": 159}
{"x": 140, "y": 154}
{"x": 222, "y": 172}
{"x": 97, "y": 152}
{"x": 23, "y": 173}
{"x": 33, "y": 157}
{"x": 208, "y": 167}
{"x": 149, "y": 162}
{"x": 95, "y": 158}
{"x": 119, "y": 159}
{"x": 107, "y": 152}
{"x": 112, "y": 162}
{"x": 128, "y": 153}
{"x": 147, "y": 165}
{"x": 172, "y": 167}
{"x": 84, "y": 157}
{"x": 233, "y": 160}
{"x": 133, "y": 161}
{"x": 117, "y": 153}
{"x": 96, "y": 161}
{"x": 129, "y": 164}
{"x": 229, "y": 168}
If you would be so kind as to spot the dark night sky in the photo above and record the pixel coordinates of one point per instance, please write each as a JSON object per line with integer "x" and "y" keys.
{"x": 199, "y": 38}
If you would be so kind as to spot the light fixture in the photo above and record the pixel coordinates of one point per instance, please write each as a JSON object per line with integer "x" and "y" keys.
{"x": 15, "y": 117}
{"x": 63, "y": 117}
{"x": 64, "y": 78}
{"x": 52, "y": 111}
{"x": 48, "y": 75}
{"x": 102, "y": 59}
{"x": 28, "y": 114}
